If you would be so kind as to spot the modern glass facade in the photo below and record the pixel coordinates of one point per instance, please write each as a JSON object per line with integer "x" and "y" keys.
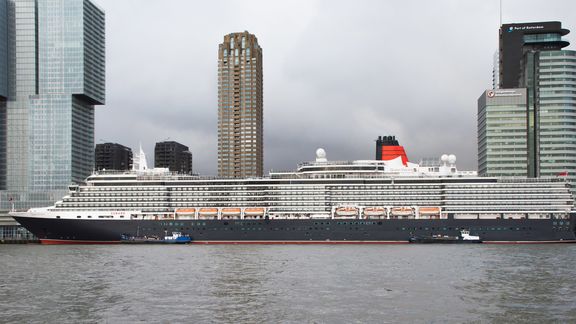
{"x": 15, "y": 233}
{"x": 537, "y": 137}
{"x": 3, "y": 49}
{"x": 502, "y": 133}
{"x": 3, "y": 87}
{"x": 56, "y": 76}
{"x": 557, "y": 113}
{"x": 240, "y": 104}
{"x": 518, "y": 39}
{"x": 496, "y": 71}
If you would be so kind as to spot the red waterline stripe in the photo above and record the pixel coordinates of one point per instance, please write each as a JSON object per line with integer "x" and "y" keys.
{"x": 55, "y": 242}
{"x": 299, "y": 242}
{"x": 530, "y": 242}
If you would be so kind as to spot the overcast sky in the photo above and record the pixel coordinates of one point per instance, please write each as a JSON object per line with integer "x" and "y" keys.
{"x": 337, "y": 74}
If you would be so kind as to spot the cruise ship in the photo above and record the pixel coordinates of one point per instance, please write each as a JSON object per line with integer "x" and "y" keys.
{"x": 389, "y": 200}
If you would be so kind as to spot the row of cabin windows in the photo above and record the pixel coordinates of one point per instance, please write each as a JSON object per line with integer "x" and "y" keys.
{"x": 320, "y": 228}
{"x": 459, "y": 193}
{"x": 99, "y": 216}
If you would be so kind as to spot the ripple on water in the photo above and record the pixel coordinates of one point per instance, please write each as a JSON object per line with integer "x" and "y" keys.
{"x": 299, "y": 284}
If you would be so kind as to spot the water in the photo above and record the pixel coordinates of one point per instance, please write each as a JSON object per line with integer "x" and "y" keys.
{"x": 290, "y": 284}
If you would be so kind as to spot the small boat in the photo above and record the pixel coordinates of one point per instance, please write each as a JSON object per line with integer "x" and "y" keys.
{"x": 465, "y": 235}
{"x": 374, "y": 211}
{"x": 347, "y": 211}
{"x": 175, "y": 238}
{"x": 231, "y": 211}
{"x": 185, "y": 210}
{"x": 402, "y": 211}
{"x": 463, "y": 238}
{"x": 429, "y": 210}
{"x": 254, "y": 211}
{"x": 207, "y": 213}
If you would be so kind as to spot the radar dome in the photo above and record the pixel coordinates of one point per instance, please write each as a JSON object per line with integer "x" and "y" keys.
{"x": 451, "y": 158}
{"x": 321, "y": 156}
{"x": 444, "y": 158}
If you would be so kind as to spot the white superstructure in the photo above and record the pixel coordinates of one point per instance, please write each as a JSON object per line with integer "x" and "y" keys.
{"x": 320, "y": 189}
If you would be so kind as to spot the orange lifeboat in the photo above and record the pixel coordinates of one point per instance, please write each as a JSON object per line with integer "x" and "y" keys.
{"x": 231, "y": 211}
{"x": 374, "y": 211}
{"x": 208, "y": 211}
{"x": 402, "y": 211}
{"x": 185, "y": 210}
{"x": 347, "y": 211}
{"x": 254, "y": 211}
{"x": 429, "y": 210}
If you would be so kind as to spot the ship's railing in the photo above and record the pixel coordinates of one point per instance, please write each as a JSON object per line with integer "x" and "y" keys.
{"x": 196, "y": 177}
{"x": 367, "y": 162}
{"x": 372, "y": 175}
{"x": 530, "y": 180}
{"x": 162, "y": 175}
{"x": 114, "y": 172}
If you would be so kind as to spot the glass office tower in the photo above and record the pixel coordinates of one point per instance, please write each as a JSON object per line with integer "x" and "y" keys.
{"x": 502, "y": 133}
{"x": 3, "y": 87}
{"x": 55, "y": 78}
{"x": 531, "y": 57}
{"x": 555, "y": 103}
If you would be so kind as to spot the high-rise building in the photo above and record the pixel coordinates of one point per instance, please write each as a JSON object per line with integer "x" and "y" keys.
{"x": 3, "y": 88}
{"x": 496, "y": 71}
{"x": 240, "y": 119}
{"x": 113, "y": 156}
{"x": 518, "y": 40}
{"x": 531, "y": 57}
{"x": 502, "y": 133}
{"x": 174, "y": 156}
{"x": 56, "y": 55}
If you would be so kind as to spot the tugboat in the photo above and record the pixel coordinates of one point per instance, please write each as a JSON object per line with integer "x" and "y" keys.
{"x": 175, "y": 238}
{"x": 464, "y": 238}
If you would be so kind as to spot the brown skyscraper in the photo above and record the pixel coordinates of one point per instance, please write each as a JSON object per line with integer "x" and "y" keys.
{"x": 240, "y": 129}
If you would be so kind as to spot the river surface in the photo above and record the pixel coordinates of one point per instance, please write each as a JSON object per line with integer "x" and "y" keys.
{"x": 288, "y": 284}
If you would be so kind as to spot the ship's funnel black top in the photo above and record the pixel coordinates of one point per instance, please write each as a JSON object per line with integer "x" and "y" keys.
{"x": 383, "y": 142}
{"x": 387, "y": 140}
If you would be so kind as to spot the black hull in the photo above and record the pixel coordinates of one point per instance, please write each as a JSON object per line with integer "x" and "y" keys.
{"x": 302, "y": 231}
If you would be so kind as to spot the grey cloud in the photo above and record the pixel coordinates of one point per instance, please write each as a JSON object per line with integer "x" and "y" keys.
{"x": 336, "y": 73}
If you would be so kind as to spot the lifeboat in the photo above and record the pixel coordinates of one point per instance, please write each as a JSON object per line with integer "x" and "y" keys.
{"x": 208, "y": 212}
{"x": 374, "y": 211}
{"x": 254, "y": 211}
{"x": 429, "y": 210}
{"x": 185, "y": 210}
{"x": 402, "y": 211}
{"x": 347, "y": 211}
{"x": 231, "y": 211}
